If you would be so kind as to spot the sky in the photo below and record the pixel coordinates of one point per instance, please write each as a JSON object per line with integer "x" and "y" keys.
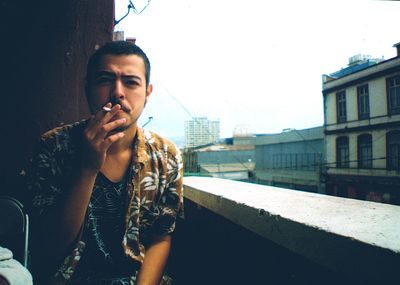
{"x": 255, "y": 66}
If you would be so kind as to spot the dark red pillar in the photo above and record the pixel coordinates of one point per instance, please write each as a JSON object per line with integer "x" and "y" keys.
{"x": 45, "y": 46}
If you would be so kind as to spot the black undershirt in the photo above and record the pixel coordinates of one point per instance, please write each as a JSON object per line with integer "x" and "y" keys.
{"x": 103, "y": 233}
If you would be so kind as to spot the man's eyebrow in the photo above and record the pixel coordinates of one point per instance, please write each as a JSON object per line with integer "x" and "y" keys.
{"x": 112, "y": 74}
{"x": 131, "y": 76}
{"x": 104, "y": 72}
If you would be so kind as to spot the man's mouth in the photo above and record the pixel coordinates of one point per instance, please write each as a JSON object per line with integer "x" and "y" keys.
{"x": 123, "y": 108}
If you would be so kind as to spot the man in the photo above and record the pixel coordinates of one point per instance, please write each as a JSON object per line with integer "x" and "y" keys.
{"x": 106, "y": 193}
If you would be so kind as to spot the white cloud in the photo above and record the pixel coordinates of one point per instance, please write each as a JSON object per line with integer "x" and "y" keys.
{"x": 253, "y": 62}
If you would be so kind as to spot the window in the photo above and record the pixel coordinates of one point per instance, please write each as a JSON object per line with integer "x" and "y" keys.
{"x": 342, "y": 152}
{"x": 393, "y": 150}
{"x": 364, "y": 143}
{"x": 394, "y": 94}
{"x": 363, "y": 102}
{"x": 341, "y": 106}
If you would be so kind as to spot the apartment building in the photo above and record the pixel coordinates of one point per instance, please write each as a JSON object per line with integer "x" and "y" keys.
{"x": 362, "y": 129}
{"x": 201, "y": 131}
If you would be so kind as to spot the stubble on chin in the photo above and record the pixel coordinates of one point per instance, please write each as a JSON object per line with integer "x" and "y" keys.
{"x": 124, "y": 128}
{"x": 117, "y": 130}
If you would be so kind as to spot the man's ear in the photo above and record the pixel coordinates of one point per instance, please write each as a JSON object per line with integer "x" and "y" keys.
{"x": 149, "y": 90}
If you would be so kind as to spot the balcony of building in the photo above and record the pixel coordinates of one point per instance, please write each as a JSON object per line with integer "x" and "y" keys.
{"x": 373, "y": 172}
{"x": 243, "y": 233}
{"x": 233, "y": 232}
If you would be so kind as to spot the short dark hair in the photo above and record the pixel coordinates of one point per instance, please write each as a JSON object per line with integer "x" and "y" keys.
{"x": 117, "y": 48}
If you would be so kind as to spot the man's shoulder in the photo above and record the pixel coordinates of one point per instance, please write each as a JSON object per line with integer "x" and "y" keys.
{"x": 66, "y": 130}
{"x": 65, "y": 137}
{"x": 158, "y": 141}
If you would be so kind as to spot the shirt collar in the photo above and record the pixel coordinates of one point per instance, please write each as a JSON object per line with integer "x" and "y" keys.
{"x": 141, "y": 148}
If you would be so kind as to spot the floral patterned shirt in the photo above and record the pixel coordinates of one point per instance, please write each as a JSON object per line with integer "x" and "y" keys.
{"x": 154, "y": 188}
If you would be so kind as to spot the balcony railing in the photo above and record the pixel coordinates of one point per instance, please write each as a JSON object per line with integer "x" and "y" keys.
{"x": 242, "y": 233}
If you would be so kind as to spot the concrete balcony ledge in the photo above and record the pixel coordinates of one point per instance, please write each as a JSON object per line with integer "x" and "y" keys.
{"x": 351, "y": 237}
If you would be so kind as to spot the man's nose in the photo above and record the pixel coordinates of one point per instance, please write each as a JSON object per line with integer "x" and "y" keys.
{"x": 118, "y": 90}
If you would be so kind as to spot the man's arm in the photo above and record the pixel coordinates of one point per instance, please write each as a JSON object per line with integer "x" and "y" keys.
{"x": 156, "y": 255}
{"x": 154, "y": 262}
{"x": 60, "y": 226}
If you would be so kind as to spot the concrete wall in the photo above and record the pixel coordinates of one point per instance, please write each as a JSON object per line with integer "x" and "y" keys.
{"x": 378, "y": 95}
{"x": 209, "y": 249}
{"x": 242, "y": 233}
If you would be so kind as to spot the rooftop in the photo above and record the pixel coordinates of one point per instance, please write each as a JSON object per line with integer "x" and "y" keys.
{"x": 291, "y": 135}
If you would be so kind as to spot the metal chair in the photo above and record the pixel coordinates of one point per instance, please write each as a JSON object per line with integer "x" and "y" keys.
{"x": 14, "y": 228}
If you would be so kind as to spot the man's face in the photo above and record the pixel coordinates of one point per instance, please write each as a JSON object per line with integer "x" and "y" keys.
{"x": 120, "y": 79}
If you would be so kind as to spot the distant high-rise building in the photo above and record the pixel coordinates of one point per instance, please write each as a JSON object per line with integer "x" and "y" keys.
{"x": 201, "y": 131}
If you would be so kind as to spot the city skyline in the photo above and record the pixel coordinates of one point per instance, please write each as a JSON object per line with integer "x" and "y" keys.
{"x": 251, "y": 63}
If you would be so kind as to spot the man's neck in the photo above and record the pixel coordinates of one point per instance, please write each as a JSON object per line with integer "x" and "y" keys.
{"x": 119, "y": 156}
{"x": 125, "y": 143}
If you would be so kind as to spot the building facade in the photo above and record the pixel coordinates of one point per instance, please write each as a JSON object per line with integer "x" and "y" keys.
{"x": 362, "y": 131}
{"x": 201, "y": 131}
{"x": 220, "y": 160}
{"x": 291, "y": 159}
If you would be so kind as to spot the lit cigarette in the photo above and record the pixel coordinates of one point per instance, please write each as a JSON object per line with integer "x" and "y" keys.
{"x": 106, "y": 109}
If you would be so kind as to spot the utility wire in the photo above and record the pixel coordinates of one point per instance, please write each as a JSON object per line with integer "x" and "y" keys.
{"x": 198, "y": 122}
{"x": 131, "y": 6}
{"x": 141, "y": 11}
{"x": 331, "y": 163}
{"x": 295, "y": 130}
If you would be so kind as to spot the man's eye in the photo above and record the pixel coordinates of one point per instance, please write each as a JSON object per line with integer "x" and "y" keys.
{"x": 104, "y": 80}
{"x": 131, "y": 82}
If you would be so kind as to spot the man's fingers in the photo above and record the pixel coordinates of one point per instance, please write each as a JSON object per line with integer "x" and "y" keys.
{"x": 106, "y": 115}
{"x": 103, "y": 131}
{"x": 111, "y": 139}
{"x": 100, "y": 133}
{"x": 102, "y": 116}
